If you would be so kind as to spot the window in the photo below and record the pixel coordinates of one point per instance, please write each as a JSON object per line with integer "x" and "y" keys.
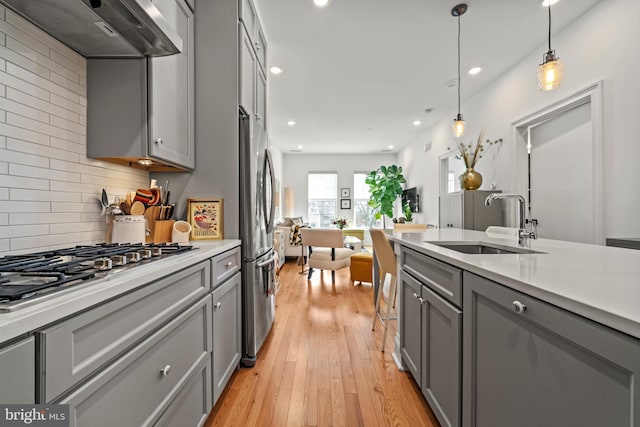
{"x": 322, "y": 199}
{"x": 362, "y": 212}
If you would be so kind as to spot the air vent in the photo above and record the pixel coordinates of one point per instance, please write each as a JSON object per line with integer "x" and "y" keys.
{"x": 106, "y": 29}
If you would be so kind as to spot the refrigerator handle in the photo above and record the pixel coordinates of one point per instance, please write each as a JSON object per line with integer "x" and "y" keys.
{"x": 268, "y": 165}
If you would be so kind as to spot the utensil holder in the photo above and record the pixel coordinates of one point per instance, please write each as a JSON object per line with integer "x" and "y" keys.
{"x": 151, "y": 215}
{"x": 162, "y": 230}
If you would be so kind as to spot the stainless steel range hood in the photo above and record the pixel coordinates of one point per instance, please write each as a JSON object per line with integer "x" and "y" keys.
{"x": 103, "y": 28}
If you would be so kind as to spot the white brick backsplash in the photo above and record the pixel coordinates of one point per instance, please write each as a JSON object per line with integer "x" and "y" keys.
{"x": 18, "y": 108}
{"x": 24, "y": 230}
{"x": 47, "y": 107}
{"x": 49, "y": 189}
{"x": 24, "y": 158}
{"x": 51, "y": 152}
{"x": 43, "y": 195}
{"x": 32, "y": 172}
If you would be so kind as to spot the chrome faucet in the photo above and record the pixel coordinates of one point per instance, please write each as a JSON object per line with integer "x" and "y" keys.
{"x": 523, "y": 231}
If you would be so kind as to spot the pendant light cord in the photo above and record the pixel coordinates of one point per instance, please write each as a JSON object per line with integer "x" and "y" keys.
{"x": 549, "y": 28}
{"x": 459, "y": 63}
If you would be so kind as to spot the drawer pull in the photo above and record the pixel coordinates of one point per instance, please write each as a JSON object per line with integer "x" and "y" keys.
{"x": 165, "y": 371}
{"x": 519, "y": 307}
{"x": 218, "y": 305}
{"x": 228, "y": 265}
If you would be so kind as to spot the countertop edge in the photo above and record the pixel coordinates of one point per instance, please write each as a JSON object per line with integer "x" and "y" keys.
{"x": 28, "y": 319}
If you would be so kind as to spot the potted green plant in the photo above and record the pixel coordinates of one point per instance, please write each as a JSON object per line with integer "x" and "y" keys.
{"x": 408, "y": 215}
{"x": 385, "y": 186}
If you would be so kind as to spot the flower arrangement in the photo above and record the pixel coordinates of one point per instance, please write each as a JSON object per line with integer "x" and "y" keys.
{"x": 341, "y": 222}
{"x": 470, "y": 155}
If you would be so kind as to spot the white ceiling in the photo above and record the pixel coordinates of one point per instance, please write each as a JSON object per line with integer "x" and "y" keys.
{"x": 357, "y": 73}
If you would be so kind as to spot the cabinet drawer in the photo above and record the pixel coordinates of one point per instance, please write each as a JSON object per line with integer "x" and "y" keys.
{"x": 75, "y": 348}
{"x": 138, "y": 387}
{"x": 225, "y": 265}
{"x": 440, "y": 277}
{"x": 191, "y": 407}
{"x": 18, "y": 372}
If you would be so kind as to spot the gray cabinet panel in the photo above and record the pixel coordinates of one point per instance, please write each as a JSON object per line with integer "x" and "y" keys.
{"x": 135, "y": 390}
{"x": 441, "y": 337}
{"x": 442, "y": 278}
{"x": 192, "y": 405}
{"x": 261, "y": 97}
{"x": 227, "y": 338}
{"x": 543, "y": 366}
{"x": 247, "y": 69}
{"x": 75, "y": 348}
{"x": 411, "y": 325}
{"x": 466, "y": 209}
{"x": 224, "y": 266}
{"x": 171, "y": 92}
{"x": 18, "y": 372}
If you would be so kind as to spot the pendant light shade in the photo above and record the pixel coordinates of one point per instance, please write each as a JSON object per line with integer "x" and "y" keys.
{"x": 458, "y": 122}
{"x": 550, "y": 71}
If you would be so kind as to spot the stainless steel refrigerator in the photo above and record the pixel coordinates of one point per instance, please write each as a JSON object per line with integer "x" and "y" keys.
{"x": 257, "y": 210}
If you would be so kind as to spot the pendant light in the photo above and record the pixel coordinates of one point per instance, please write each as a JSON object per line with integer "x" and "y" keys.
{"x": 458, "y": 122}
{"x": 550, "y": 71}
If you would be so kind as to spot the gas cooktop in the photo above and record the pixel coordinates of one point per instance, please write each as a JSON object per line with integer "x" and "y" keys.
{"x": 29, "y": 278}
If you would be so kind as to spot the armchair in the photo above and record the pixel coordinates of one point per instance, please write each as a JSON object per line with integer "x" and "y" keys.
{"x": 326, "y": 250}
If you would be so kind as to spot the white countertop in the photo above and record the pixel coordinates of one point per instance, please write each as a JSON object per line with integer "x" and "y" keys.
{"x": 66, "y": 303}
{"x": 601, "y": 283}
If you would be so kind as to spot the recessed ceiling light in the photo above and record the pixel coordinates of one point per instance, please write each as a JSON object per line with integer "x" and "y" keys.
{"x": 291, "y": 123}
{"x": 145, "y": 162}
{"x": 547, "y": 3}
{"x": 475, "y": 70}
{"x": 416, "y": 122}
{"x": 391, "y": 147}
{"x": 321, "y": 3}
{"x": 276, "y": 70}
{"x": 300, "y": 147}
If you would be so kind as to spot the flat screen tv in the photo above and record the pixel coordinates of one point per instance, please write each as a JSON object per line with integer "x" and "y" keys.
{"x": 410, "y": 195}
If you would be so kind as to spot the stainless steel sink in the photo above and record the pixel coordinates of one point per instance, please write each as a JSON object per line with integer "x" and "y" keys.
{"x": 482, "y": 248}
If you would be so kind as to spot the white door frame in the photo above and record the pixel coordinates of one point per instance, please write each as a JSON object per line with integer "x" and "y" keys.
{"x": 520, "y": 128}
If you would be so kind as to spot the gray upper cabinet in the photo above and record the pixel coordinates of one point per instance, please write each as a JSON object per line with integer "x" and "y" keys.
{"x": 18, "y": 372}
{"x": 171, "y": 114}
{"x": 466, "y": 209}
{"x": 253, "y": 63}
{"x": 529, "y": 363}
{"x": 143, "y": 109}
{"x": 227, "y": 329}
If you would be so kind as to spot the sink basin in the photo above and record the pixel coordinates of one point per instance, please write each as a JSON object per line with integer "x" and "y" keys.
{"x": 482, "y": 248}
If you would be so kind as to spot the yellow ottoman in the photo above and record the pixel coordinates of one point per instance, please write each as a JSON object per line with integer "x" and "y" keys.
{"x": 362, "y": 267}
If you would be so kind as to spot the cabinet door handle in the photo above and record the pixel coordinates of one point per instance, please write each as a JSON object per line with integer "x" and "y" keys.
{"x": 228, "y": 265}
{"x": 165, "y": 371}
{"x": 421, "y": 300}
{"x": 415, "y": 295}
{"x": 258, "y": 47}
{"x": 217, "y": 305}
{"x": 258, "y": 117}
{"x": 158, "y": 141}
{"x": 519, "y": 307}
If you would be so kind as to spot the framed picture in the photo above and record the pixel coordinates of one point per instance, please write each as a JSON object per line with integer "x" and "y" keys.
{"x": 345, "y": 192}
{"x": 345, "y": 203}
{"x": 206, "y": 218}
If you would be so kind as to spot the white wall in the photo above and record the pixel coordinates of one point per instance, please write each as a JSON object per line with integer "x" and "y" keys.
{"x": 297, "y": 166}
{"x": 48, "y": 188}
{"x": 603, "y": 44}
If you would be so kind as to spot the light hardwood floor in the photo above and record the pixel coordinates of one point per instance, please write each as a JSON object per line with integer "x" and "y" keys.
{"x": 321, "y": 364}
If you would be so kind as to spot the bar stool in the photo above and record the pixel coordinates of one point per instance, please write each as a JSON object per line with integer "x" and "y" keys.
{"x": 387, "y": 261}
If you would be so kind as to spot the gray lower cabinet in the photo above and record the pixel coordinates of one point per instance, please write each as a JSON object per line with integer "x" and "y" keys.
{"x": 431, "y": 347}
{"x": 529, "y": 363}
{"x": 227, "y": 338}
{"x": 18, "y": 372}
{"x": 136, "y": 389}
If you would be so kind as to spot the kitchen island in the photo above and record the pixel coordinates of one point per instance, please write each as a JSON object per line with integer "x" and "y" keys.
{"x": 527, "y": 339}
{"x": 152, "y": 344}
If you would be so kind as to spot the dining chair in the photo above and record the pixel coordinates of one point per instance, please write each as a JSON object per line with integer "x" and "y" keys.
{"x": 326, "y": 250}
{"x": 387, "y": 262}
